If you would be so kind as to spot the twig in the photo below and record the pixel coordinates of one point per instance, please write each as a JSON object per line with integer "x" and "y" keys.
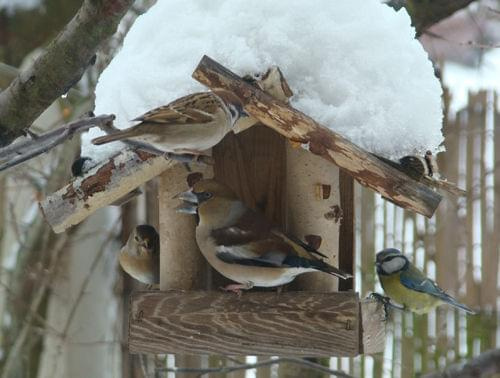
{"x": 229, "y": 369}
{"x": 487, "y": 364}
{"x": 493, "y": 10}
{"x": 28, "y": 149}
{"x": 15, "y": 298}
{"x": 444, "y": 185}
{"x": 60, "y": 67}
{"x": 460, "y": 43}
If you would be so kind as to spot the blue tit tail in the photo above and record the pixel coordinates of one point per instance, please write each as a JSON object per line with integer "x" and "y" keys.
{"x": 451, "y": 301}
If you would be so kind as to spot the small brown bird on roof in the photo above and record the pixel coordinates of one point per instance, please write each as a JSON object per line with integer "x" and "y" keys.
{"x": 417, "y": 166}
{"x": 140, "y": 256}
{"x": 242, "y": 245}
{"x": 190, "y": 124}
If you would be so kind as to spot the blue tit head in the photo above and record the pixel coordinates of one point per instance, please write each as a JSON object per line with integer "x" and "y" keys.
{"x": 390, "y": 261}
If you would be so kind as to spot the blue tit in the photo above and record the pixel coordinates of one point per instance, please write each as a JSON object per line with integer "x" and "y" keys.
{"x": 407, "y": 285}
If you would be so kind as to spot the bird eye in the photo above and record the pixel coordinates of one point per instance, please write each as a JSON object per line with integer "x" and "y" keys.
{"x": 137, "y": 239}
{"x": 206, "y": 195}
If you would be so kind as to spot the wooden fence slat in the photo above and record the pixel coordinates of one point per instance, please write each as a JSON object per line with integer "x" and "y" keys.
{"x": 489, "y": 238}
{"x": 494, "y": 262}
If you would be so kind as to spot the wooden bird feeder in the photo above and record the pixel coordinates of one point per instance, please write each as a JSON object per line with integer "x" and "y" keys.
{"x": 306, "y": 191}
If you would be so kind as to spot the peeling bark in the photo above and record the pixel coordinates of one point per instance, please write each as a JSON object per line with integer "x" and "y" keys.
{"x": 296, "y": 126}
{"x": 101, "y": 186}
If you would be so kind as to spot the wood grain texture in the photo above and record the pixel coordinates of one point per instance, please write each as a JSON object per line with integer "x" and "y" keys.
{"x": 291, "y": 324}
{"x": 253, "y": 164}
{"x": 100, "y": 186}
{"x": 289, "y": 122}
{"x": 373, "y": 327}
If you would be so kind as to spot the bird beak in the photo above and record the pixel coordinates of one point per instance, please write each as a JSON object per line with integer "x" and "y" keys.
{"x": 190, "y": 204}
{"x": 187, "y": 196}
{"x": 187, "y": 208}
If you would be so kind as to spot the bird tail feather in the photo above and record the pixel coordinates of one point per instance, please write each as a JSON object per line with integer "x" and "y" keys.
{"x": 327, "y": 268}
{"x": 456, "y": 304}
{"x": 113, "y": 137}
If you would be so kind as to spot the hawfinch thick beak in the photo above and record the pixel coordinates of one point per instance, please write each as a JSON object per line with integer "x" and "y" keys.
{"x": 187, "y": 208}
{"x": 187, "y": 196}
{"x": 190, "y": 204}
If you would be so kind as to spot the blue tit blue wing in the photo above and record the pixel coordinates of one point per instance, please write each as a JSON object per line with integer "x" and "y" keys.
{"x": 414, "y": 279}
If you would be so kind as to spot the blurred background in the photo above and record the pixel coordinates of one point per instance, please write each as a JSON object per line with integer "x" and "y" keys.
{"x": 62, "y": 297}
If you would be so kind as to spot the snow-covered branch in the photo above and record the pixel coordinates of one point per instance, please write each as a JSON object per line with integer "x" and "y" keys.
{"x": 59, "y": 67}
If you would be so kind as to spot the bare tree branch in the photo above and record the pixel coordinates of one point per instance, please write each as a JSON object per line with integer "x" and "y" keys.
{"x": 229, "y": 369}
{"x": 425, "y": 13}
{"x": 486, "y": 364}
{"x": 37, "y": 145}
{"x": 60, "y": 67}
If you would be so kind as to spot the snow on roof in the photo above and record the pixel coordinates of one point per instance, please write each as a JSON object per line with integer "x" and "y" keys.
{"x": 353, "y": 65}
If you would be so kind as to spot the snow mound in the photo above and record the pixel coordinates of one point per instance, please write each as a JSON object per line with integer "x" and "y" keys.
{"x": 353, "y": 65}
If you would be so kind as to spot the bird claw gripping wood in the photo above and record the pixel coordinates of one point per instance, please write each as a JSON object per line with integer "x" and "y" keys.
{"x": 386, "y": 302}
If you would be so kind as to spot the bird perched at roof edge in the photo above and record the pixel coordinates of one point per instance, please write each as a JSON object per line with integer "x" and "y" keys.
{"x": 242, "y": 245}
{"x": 416, "y": 166}
{"x": 407, "y": 285}
{"x": 190, "y": 124}
{"x": 140, "y": 256}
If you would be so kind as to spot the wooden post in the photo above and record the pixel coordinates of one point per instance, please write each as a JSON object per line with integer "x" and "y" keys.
{"x": 289, "y": 324}
{"x": 182, "y": 265}
{"x": 363, "y": 166}
{"x": 313, "y": 202}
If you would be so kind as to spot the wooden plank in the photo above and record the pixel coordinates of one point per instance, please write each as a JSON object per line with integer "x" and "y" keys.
{"x": 489, "y": 292}
{"x": 257, "y": 323}
{"x": 471, "y": 129}
{"x": 373, "y": 327}
{"x": 363, "y": 166}
{"x": 253, "y": 164}
{"x": 496, "y": 220}
{"x": 347, "y": 255}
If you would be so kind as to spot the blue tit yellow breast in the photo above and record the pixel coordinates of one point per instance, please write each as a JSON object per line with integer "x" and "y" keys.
{"x": 415, "y": 301}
